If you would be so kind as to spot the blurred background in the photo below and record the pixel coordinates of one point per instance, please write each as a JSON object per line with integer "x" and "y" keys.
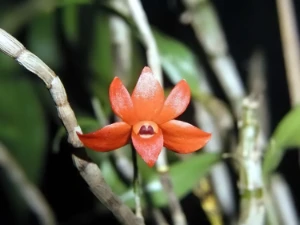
{"x": 226, "y": 50}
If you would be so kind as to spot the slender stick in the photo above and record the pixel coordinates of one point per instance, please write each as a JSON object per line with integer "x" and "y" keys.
{"x": 136, "y": 184}
{"x": 147, "y": 37}
{"x": 284, "y": 202}
{"x": 219, "y": 173}
{"x": 159, "y": 217}
{"x": 29, "y": 192}
{"x": 88, "y": 170}
{"x": 209, "y": 202}
{"x": 290, "y": 47}
{"x": 121, "y": 42}
{"x": 202, "y": 16}
{"x": 290, "y": 44}
{"x": 177, "y": 214}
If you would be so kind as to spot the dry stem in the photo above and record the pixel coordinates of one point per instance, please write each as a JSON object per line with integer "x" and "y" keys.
{"x": 147, "y": 37}
{"x": 204, "y": 20}
{"x": 290, "y": 44}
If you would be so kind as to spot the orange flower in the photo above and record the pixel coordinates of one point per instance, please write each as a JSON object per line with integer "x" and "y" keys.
{"x": 148, "y": 119}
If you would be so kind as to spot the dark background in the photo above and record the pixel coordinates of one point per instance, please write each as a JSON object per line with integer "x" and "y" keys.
{"x": 248, "y": 24}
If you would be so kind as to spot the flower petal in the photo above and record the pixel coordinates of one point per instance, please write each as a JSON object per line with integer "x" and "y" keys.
{"x": 108, "y": 138}
{"x": 176, "y": 103}
{"x": 147, "y": 96}
{"x": 183, "y": 137}
{"x": 148, "y": 148}
{"x": 121, "y": 102}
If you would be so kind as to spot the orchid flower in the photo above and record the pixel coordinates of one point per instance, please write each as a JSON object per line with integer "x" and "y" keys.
{"x": 148, "y": 120}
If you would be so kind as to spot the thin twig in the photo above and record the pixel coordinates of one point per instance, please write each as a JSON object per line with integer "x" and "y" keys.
{"x": 136, "y": 185}
{"x": 88, "y": 170}
{"x": 123, "y": 164}
{"x": 209, "y": 202}
{"x": 283, "y": 199}
{"x": 215, "y": 109}
{"x": 159, "y": 217}
{"x": 99, "y": 113}
{"x": 121, "y": 42}
{"x": 204, "y": 20}
{"x": 219, "y": 173}
{"x": 177, "y": 214}
{"x": 31, "y": 194}
{"x": 141, "y": 21}
{"x": 291, "y": 47}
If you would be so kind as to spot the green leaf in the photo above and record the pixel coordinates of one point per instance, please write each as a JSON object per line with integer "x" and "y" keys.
{"x": 111, "y": 177}
{"x": 23, "y": 13}
{"x": 7, "y": 65}
{"x": 23, "y": 128}
{"x": 178, "y": 61}
{"x": 70, "y": 21}
{"x": 42, "y": 40}
{"x": 63, "y": 3}
{"x": 87, "y": 125}
{"x": 286, "y": 135}
{"x": 184, "y": 176}
{"x": 23, "y": 132}
{"x": 60, "y": 134}
{"x": 101, "y": 60}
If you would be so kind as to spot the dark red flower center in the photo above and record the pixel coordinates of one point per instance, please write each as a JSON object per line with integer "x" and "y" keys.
{"x": 145, "y": 129}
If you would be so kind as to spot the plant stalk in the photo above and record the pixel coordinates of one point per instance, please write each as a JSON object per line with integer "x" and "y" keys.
{"x": 251, "y": 183}
{"x": 136, "y": 185}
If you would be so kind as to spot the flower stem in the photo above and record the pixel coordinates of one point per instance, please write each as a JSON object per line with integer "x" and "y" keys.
{"x": 136, "y": 185}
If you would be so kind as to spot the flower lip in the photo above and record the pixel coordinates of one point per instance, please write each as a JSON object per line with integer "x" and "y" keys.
{"x": 145, "y": 129}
